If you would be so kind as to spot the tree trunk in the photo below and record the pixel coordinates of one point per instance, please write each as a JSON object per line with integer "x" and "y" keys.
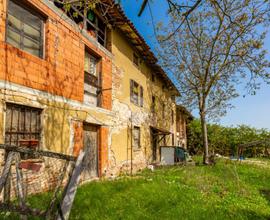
{"x": 205, "y": 138}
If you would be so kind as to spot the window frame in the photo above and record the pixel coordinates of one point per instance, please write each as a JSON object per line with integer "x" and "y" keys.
{"x": 137, "y": 97}
{"x": 153, "y": 104}
{"x": 163, "y": 111}
{"x": 22, "y": 126}
{"x": 138, "y": 129}
{"x": 141, "y": 96}
{"x": 87, "y": 23}
{"x": 95, "y": 80}
{"x": 172, "y": 117}
{"x": 153, "y": 77}
{"x": 35, "y": 12}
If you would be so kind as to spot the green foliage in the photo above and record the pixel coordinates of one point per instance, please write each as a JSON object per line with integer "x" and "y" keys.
{"x": 224, "y": 140}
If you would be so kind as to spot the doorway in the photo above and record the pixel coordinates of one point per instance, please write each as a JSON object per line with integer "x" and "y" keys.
{"x": 154, "y": 143}
{"x": 90, "y": 142}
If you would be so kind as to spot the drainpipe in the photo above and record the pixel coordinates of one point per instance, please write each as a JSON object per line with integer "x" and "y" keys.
{"x": 131, "y": 153}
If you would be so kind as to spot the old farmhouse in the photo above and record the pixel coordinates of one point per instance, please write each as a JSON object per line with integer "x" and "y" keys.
{"x": 84, "y": 79}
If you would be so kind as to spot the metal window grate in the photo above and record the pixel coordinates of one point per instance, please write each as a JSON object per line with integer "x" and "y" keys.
{"x": 23, "y": 125}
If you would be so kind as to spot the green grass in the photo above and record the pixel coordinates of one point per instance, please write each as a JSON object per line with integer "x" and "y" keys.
{"x": 227, "y": 190}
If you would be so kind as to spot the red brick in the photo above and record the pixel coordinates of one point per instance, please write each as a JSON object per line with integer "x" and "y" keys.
{"x": 67, "y": 58}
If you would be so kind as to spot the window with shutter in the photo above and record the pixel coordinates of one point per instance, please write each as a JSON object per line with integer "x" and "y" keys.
{"x": 141, "y": 96}
{"x": 24, "y": 29}
{"x": 134, "y": 92}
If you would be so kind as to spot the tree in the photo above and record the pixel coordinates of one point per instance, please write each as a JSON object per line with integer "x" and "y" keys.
{"x": 217, "y": 48}
{"x": 228, "y": 140}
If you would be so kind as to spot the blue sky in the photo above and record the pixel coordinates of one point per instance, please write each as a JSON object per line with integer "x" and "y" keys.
{"x": 251, "y": 110}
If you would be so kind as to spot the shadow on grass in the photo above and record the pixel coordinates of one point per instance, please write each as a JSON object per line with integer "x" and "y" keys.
{"x": 249, "y": 214}
{"x": 266, "y": 194}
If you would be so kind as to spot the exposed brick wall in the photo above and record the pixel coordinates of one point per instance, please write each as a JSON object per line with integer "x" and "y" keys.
{"x": 61, "y": 71}
{"x": 107, "y": 84}
{"x": 46, "y": 179}
{"x": 103, "y": 150}
{"x": 78, "y": 137}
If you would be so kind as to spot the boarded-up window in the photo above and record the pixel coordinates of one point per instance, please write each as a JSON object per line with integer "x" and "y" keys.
{"x": 24, "y": 29}
{"x": 91, "y": 80}
{"x": 22, "y": 127}
{"x": 136, "y": 137}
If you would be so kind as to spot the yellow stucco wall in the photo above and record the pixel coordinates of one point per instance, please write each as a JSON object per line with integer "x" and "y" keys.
{"x": 57, "y": 118}
{"x": 123, "y": 71}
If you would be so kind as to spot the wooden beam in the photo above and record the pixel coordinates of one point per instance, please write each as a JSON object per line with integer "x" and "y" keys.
{"x": 37, "y": 153}
{"x": 71, "y": 189}
{"x": 6, "y": 170}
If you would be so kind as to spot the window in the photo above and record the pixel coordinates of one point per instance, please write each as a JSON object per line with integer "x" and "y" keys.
{"x": 136, "y": 59}
{"x": 91, "y": 80}
{"x": 163, "y": 111}
{"x": 172, "y": 117}
{"x": 96, "y": 27}
{"x": 172, "y": 139}
{"x": 141, "y": 96}
{"x": 24, "y": 29}
{"x": 163, "y": 87}
{"x": 92, "y": 23}
{"x": 153, "y": 78}
{"x": 153, "y": 107}
{"x": 22, "y": 126}
{"x": 136, "y": 93}
{"x": 136, "y": 137}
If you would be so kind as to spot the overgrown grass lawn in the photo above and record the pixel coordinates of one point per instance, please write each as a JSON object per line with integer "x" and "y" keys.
{"x": 228, "y": 190}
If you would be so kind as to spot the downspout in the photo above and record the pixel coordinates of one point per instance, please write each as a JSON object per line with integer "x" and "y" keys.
{"x": 131, "y": 141}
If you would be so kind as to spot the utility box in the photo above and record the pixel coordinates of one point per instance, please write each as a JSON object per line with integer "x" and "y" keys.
{"x": 171, "y": 155}
{"x": 167, "y": 155}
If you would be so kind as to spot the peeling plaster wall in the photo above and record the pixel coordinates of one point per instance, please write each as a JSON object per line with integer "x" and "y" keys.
{"x": 60, "y": 120}
{"x": 57, "y": 117}
{"x": 121, "y": 155}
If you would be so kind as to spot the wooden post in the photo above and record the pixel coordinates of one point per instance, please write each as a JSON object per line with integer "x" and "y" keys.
{"x": 4, "y": 179}
{"x": 20, "y": 191}
{"x": 131, "y": 147}
{"x": 71, "y": 189}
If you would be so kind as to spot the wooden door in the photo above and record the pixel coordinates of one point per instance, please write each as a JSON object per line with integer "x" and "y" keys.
{"x": 90, "y": 136}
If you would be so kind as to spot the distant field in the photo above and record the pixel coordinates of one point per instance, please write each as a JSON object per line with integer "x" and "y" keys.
{"x": 228, "y": 190}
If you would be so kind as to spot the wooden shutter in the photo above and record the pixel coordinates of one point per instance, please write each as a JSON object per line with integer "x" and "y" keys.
{"x": 131, "y": 90}
{"x": 141, "y": 96}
